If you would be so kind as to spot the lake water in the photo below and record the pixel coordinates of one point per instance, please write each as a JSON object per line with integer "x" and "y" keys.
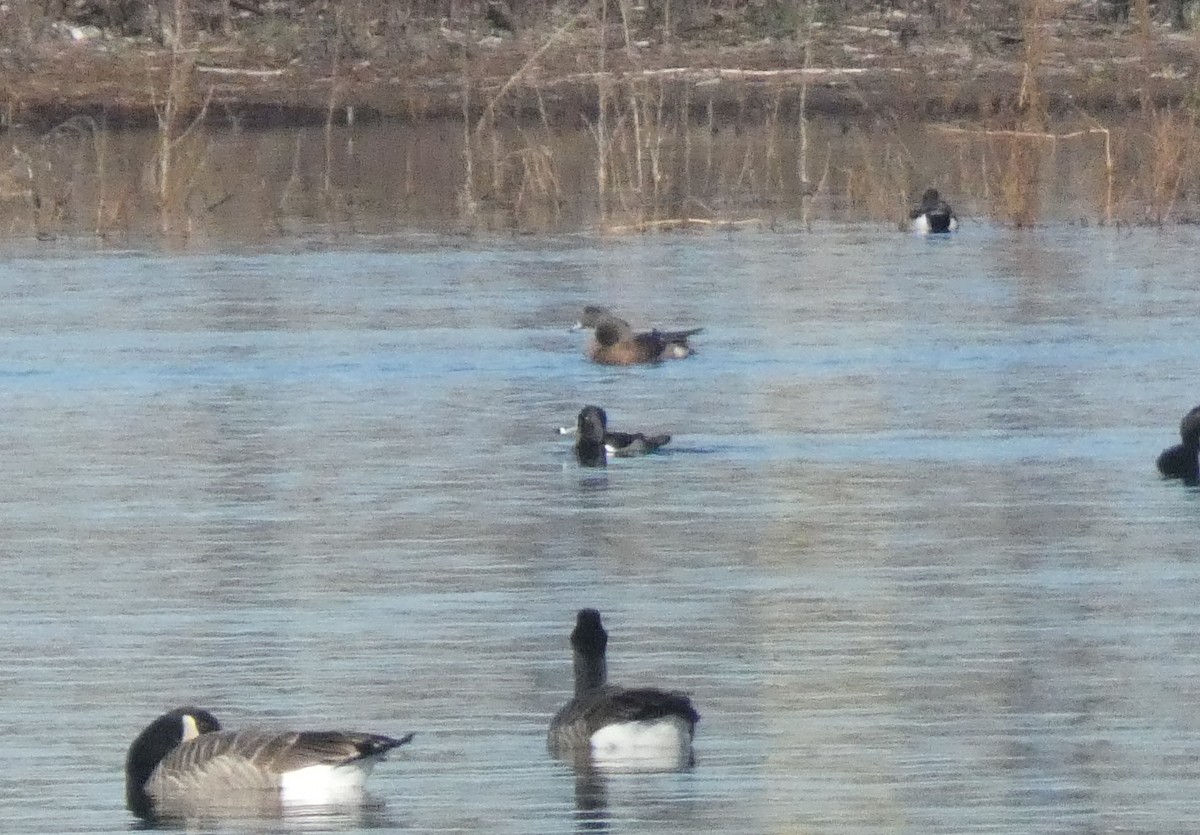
{"x": 907, "y": 550}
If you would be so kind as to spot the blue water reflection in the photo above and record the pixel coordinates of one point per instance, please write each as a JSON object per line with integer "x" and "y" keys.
{"x": 907, "y": 549}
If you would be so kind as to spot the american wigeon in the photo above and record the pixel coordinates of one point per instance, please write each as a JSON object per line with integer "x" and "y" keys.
{"x": 1183, "y": 460}
{"x": 618, "y": 728}
{"x": 933, "y": 214}
{"x": 182, "y": 765}
{"x": 615, "y": 342}
{"x": 594, "y": 443}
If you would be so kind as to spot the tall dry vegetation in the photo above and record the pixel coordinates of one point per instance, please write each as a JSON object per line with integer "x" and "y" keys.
{"x": 180, "y": 109}
{"x": 659, "y": 153}
{"x": 656, "y": 166}
{"x": 1018, "y": 186}
{"x": 1137, "y": 174}
{"x": 1166, "y": 154}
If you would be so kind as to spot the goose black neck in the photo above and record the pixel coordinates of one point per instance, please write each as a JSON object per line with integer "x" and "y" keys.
{"x": 591, "y": 672}
{"x": 589, "y": 641}
{"x": 149, "y": 748}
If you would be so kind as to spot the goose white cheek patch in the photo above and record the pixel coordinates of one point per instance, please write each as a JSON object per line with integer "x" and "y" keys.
{"x": 190, "y": 730}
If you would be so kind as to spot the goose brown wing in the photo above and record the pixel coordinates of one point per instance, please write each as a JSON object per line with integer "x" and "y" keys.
{"x": 214, "y": 763}
{"x": 272, "y": 753}
{"x": 619, "y": 704}
{"x": 299, "y": 750}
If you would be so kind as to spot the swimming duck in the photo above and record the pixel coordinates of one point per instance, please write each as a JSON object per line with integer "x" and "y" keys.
{"x": 615, "y": 343}
{"x": 182, "y": 764}
{"x": 619, "y": 728}
{"x": 594, "y": 443}
{"x": 933, "y": 214}
{"x": 1181, "y": 460}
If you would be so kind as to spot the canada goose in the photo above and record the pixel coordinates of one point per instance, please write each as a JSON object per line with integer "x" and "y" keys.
{"x": 183, "y": 764}
{"x": 619, "y": 728}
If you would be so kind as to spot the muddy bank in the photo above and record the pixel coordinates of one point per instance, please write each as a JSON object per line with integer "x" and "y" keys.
{"x": 872, "y": 67}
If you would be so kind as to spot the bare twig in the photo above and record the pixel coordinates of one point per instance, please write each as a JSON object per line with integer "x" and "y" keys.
{"x": 524, "y": 68}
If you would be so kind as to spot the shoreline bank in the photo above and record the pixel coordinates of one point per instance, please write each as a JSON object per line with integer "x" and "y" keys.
{"x": 848, "y": 71}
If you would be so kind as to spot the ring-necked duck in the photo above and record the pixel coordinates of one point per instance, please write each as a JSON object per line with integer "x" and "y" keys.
{"x": 594, "y": 443}
{"x": 1180, "y": 461}
{"x": 620, "y": 728}
{"x": 933, "y": 214}
{"x": 182, "y": 764}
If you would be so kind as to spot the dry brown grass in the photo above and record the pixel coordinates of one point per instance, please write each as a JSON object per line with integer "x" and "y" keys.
{"x": 180, "y": 110}
{"x": 659, "y": 153}
{"x": 56, "y": 175}
{"x": 1170, "y": 143}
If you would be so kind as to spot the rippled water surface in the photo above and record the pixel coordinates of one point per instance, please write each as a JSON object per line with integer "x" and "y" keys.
{"x": 907, "y": 548}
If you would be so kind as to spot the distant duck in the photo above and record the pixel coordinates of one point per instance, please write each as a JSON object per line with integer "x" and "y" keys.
{"x": 615, "y": 343}
{"x": 933, "y": 214}
{"x": 1181, "y": 460}
{"x": 499, "y": 15}
{"x": 619, "y": 728}
{"x": 183, "y": 765}
{"x": 594, "y": 443}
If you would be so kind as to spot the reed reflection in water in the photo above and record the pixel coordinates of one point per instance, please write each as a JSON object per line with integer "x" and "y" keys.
{"x": 907, "y": 549}
{"x": 763, "y": 168}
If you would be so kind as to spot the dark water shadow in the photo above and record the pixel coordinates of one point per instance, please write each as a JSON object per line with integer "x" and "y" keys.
{"x": 271, "y": 818}
{"x": 591, "y": 801}
{"x": 592, "y": 809}
{"x": 668, "y": 452}
{"x": 592, "y": 486}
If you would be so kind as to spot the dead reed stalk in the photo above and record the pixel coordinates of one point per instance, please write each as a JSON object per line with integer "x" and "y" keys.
{"x": 878, "y": 175}
{"x": 468, "y": 204}
{"x": 180, "y": 155}
{"x": 487, "y": 162}
{"x": 1172, "y": 138}
{"x": 332, "y": 102}
{"x": 1018, "y": 186}
{"x": 802, "y": 161}
{"x": 1020, "y": 147}
{"x": 51, "y": 169}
